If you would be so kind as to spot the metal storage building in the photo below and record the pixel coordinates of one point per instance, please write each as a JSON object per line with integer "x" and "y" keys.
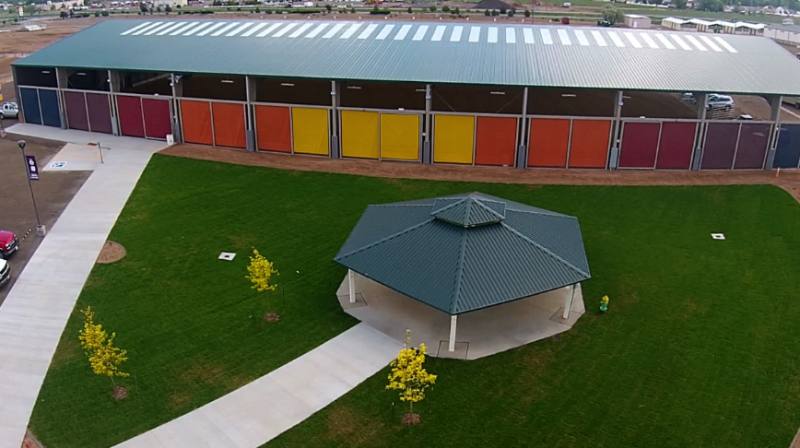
{"x": 479, "y": 93}
{"x": 637, "y": 21}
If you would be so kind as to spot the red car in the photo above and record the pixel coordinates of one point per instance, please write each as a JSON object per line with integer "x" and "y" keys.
{"x": 8, "y": 243}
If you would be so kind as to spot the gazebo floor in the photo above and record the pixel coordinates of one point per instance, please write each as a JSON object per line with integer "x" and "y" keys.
{"x": 479, "y": 333}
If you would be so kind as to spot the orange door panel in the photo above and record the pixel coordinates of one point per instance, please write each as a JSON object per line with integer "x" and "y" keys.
{"x": 549, "y": 143}
{"x": 589, "y": 143}
{"x": 496, "y": 141}
{"x": 274, "y": 128}
{"x": 229, "y": 127}
{"x": 196, "y": 119}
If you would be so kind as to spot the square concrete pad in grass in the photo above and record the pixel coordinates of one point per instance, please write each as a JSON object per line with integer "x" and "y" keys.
{"x": 460, "y": 352}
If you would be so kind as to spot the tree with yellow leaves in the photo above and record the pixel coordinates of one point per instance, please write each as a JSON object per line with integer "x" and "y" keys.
{"x": 410, "y": 377}
{"x": 104, "y": 357}
{"x": 260, "y": 272}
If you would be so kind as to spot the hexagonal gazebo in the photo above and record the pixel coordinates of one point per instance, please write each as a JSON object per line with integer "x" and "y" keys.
{"x": 510, "y": 270}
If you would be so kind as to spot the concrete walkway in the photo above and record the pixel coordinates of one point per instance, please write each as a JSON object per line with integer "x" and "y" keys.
{"x": 36, "y": 310}
{"x": 258, "y": 412}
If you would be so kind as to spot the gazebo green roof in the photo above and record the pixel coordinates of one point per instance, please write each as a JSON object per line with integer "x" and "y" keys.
{"x": 466, "y": 252}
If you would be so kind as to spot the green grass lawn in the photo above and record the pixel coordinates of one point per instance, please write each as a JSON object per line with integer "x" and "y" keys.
{"x": 701, "y": 347}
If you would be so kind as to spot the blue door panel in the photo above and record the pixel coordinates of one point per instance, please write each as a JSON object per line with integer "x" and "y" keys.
{"x": 50, "y": 113}
{"x": 787, "y": 154}
{"x": 30, "y": 106}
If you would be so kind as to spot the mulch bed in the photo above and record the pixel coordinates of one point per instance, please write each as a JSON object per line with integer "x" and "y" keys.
{"x": 111, "y": 252}
{"x": 411, "y": 419}
{"x": 272, "y": 317}
{"x": 119, "y": 393}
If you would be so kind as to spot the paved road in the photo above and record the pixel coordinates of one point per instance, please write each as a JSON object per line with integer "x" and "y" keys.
{"x": 36, "y": 309}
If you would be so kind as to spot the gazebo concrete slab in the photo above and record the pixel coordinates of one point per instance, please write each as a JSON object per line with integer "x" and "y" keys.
{"x": 479, "y": 333}
{"x": 344, "y": 301}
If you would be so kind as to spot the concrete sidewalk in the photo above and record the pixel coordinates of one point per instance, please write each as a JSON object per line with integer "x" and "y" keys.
{"x": 258, "y": 412}
{"x": 36, "y": 310}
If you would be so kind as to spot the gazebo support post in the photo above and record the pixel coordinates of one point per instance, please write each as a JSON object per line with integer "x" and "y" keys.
{"x": 568, "y": 304}
{"x": 452, "y": 346}
{"x": 351, "y": 283}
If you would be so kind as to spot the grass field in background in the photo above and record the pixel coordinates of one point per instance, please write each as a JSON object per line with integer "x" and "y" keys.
{"x": 701, "y": 347}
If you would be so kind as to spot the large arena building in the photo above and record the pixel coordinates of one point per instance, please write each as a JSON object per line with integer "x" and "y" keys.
{"x": 503, "y": 94}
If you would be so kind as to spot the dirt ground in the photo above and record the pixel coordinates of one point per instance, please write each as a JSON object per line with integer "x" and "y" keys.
{"x": 788, "y": 180}
{"x": 53, "y": 192}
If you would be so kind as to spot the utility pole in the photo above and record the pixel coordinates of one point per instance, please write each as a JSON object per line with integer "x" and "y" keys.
{"x": 41, "y": 230}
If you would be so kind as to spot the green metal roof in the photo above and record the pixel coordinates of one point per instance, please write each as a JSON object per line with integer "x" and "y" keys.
{"x": 434, "y": 52}
{"x": 466, "y": 252}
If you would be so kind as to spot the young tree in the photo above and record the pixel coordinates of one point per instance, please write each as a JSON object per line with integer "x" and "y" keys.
{"x": 409, "y": 10}
{"x": 445, "y": 9}
{"x": 410, "y": 377}
{"x": 527, "y": 13}
{"x": 104, "y": 357}
{"x": 432, "y": 8}
{"x": 260, "y": 271}
{"x": 612, "y": 14}
{"x": 680, "y": 4}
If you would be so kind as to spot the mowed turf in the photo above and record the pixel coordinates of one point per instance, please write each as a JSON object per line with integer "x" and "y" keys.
{"x": 701, "y": 346}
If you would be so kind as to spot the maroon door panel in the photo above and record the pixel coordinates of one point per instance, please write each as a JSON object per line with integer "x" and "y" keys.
{"x": 677, "y": 144}
{"x": 720, "y": 146}
{"x": 130, "y": 116}
{"x": 157, "y": 120}
{"x": 75, "y": 103}
{"x": 99, "y": 112}
{"x": 639, "y": 145}
{"x": 753, "y": 139}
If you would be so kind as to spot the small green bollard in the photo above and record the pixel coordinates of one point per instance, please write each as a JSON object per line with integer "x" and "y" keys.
{"x": 604, "y": 304}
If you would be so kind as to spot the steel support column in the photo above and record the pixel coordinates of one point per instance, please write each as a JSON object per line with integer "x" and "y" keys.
{"x": 21, "y": 115}
{"x": 616, "y": 136}
{"x": 177, "y": 92}
{"x": 351, "y": 285}
{"x": 699, "y": 139}
{"x": 250, "y": 90}
{"x": 568, "y": 304}
{"x": 114, "y": 87}
{"x": 335, "y": 153}
{"x": 522, "y": 150}
{"x": 775, "y": 115}
{"x": 452, "y": 343}
{"x": 61, "y": 82}
{"x": 426, "y": 144}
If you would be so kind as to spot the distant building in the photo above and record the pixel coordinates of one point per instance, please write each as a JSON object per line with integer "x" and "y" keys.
{"x": 637, "y": 21}
{"x": 785, "y": 34}
{"x": 172, "y": 3}
{"x": 67, "y": 4}
{"x": 493, "y": 4}
{"x": 714, "y": 26}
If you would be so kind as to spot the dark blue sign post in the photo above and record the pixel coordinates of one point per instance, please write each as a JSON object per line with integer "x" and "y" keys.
{"x": 33, "y": 174}
{"x": 33, "y": 168}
